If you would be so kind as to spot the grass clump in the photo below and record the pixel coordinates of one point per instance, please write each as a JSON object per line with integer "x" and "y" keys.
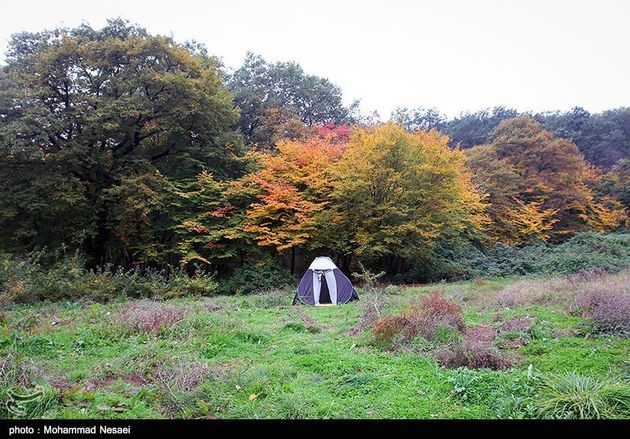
{"x": 150, "y": 317}
{"x": 576, "y": 396}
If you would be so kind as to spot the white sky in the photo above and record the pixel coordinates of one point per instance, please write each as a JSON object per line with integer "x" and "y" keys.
{"x": 454, "y": 55}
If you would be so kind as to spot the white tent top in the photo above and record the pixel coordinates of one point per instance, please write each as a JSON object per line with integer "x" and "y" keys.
{"x": 322, "y": 263}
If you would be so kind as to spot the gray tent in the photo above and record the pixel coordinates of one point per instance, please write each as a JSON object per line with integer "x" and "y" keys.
{"x": 324, "y": 283}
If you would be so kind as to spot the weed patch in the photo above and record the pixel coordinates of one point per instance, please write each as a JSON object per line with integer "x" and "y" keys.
{"x": 150, "y": 317}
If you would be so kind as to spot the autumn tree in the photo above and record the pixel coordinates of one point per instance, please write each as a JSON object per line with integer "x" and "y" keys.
{"x": 293, "y": 188}
{"x": 396, "y": 194}
{"x": 515, "y": 220}
{"x": 95, "y": 127}
{"x": 616, "y": 184}
{"x": 526, "y": 170}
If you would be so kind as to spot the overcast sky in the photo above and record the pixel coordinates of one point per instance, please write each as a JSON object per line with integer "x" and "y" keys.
{"x": 455, "y": 55}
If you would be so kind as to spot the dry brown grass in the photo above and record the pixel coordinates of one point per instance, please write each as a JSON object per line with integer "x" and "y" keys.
{"x": 150, "y": 316}
{"x": 182, "y": 374}
{"x": 23, "y": 372}
{"x": 562, "y": 290}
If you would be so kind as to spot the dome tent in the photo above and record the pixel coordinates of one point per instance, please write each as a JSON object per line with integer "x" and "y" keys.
{"x": 324, "y": 283}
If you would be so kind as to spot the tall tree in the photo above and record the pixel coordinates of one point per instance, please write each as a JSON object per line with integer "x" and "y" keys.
{"x": 396, "y": 194}
{"x": 616, "y": 183}
{"x": 470, "y": 129}
{"x": 516, "y": 218}
{"x": 531, "y": 169}
{"x": 419, "y": 119}
{"x": 95, "y": 125}
{"x": 603, "y": 138}
{"x": 293, "y": 187}
{"x": 284, "y": 89}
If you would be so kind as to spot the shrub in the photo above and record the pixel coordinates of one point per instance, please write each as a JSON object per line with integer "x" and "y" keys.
{"x": 482, "y": 353}
{"x": 574, "y": 396}
{"x": 386, "y": 328}
{"x": 423, "y": 319}
{"x": 604, "y": 298}
{"x": 589, "y": 251}
{"x": 373, "y": 297}
{"x": 436, "y": 311}
{"x": 256, "y": 277}
{"x": 562, "y": 290}
{"x": 610, "y": 310}
{"x": 439, "y": 322}
{"x": 517, "y": 324}
{"x": 26, "y": 280}
{"x": 475, "y": 350}
{"x": 181, "y": 284}
{"x": 271, "y": 299}
{"x": 585, "y": 251}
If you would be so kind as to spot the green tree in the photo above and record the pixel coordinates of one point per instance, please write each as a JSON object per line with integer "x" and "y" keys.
{"x": 419, "y": 119}
{"x": 470, "y": 129}
{"x": 283, "y": 89}
{"x": 95, "y": 126}
{"x": 603, "y": 138}
{"x": 210, "y": 229}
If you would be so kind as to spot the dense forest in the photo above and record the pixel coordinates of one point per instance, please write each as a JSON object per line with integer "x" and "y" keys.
{"x": 139, "y": 152}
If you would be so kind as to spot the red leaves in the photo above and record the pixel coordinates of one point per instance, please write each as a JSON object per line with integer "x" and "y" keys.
{"x": 333, "y": 133}
{"x": 221, "y": 212}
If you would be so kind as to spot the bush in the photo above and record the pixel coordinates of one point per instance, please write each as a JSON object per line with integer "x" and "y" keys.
{"x": 374, "y": 297}
{"x": 271, "y": 299}
{"x": 604, "y": 298}
{"x": 439, "y": 323}
{"x": 518, "y": 324}
{"x": 386, "y": 328}
{"x": 481, "y": 351}
{"x": 436, "y": 311}
{"x": 574, "y": 396}
{"x": 583, "y": 252}
{"x": 610, "y": 310}
{"x": 25, "y": 280}
{"x": 475, "y": 350}
{"x": 586, "y": 251}
{"x": 423, "y": 319}
{"x": 181, "y": 284}
{"x": 256, "y": 277}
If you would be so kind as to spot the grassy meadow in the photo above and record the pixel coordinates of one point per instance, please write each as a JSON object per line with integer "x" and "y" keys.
{"x": 256, "y": 356}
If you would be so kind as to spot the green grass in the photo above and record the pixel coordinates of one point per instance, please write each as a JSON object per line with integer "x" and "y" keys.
{"x": 279, "y": 362}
